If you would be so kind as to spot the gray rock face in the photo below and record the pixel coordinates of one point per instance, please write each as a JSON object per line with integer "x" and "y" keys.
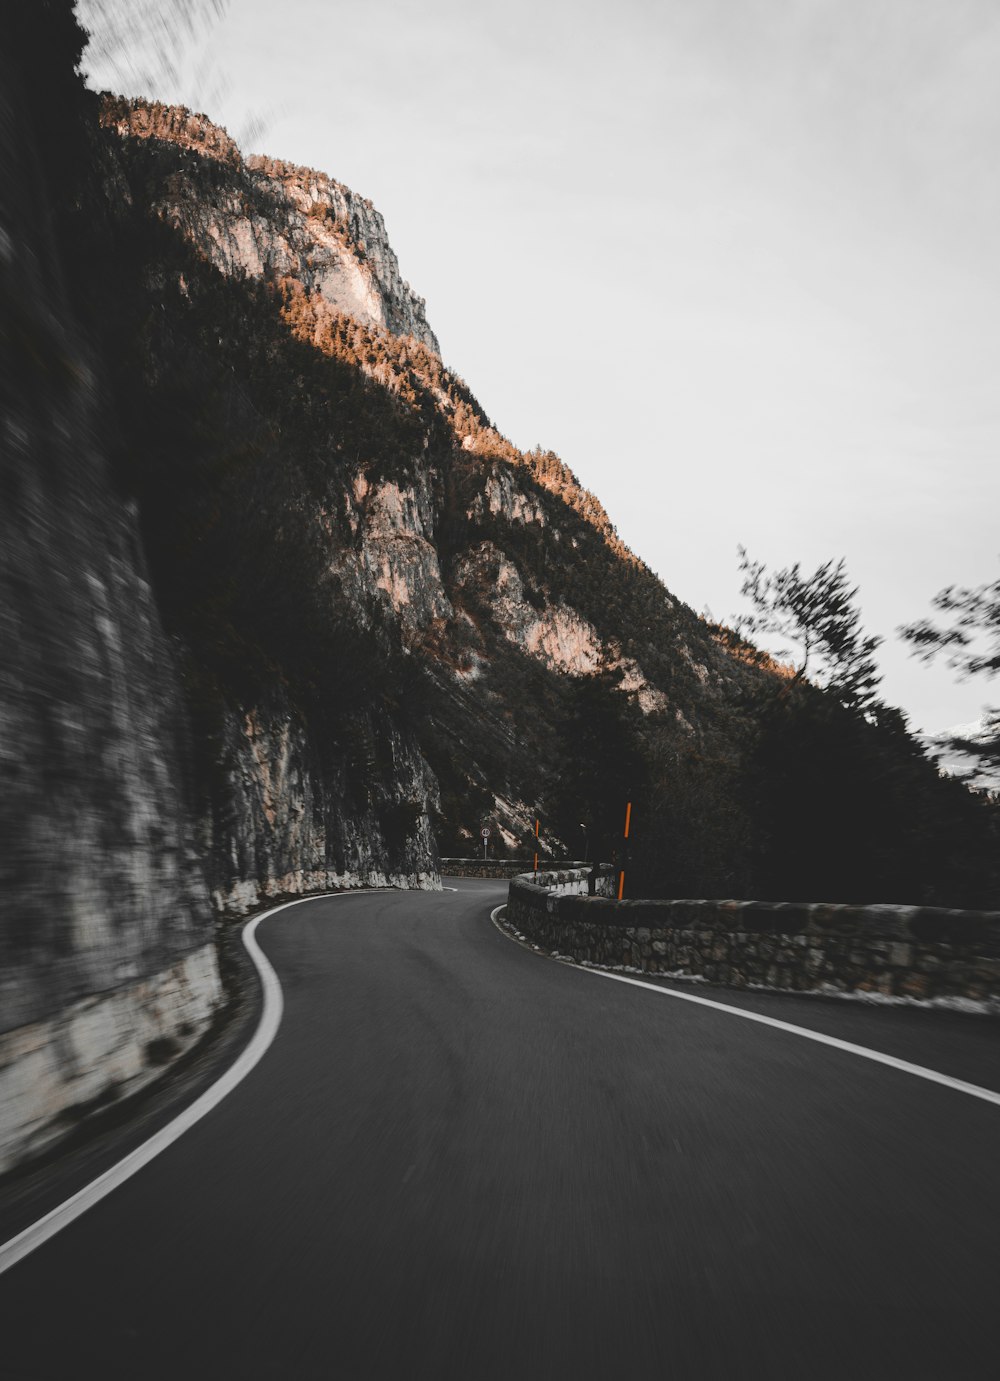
{"x": 99, "y": 870}
{"x": 394, "y": 555}
{"x": 270, "y": 218}
{"x": 291, "y": 823}
{"x": 553, "y": 633}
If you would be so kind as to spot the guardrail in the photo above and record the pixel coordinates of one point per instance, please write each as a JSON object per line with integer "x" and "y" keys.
{"x": 927, "y": 954}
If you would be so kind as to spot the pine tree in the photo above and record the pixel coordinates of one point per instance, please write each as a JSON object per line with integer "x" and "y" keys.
{"x": 817, "y": 616}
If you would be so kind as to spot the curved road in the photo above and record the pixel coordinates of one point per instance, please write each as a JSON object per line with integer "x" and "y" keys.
{"x": 461, "y": 1160}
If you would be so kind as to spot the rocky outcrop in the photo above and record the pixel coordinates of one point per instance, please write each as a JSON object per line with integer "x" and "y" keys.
{"x": 394, "y": 552}
{"x": 267, "y": 218}
{"x": 553, "y": 633}
{"x": 177, "y": 124}
{"x": 290, "y": 822}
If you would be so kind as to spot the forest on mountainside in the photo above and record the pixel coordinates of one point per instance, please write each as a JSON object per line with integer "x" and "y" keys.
{"x": 241, "y": 415}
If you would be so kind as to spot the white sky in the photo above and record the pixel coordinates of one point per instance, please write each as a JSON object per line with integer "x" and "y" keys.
{"x": 736, "y": 261}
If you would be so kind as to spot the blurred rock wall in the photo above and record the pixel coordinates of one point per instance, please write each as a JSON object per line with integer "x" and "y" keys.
{"x": 107, "y": 966}
{"x": 99, "y": 875}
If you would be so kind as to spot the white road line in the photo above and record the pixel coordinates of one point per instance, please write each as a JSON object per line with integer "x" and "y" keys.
{"x": 267, "y": 1028}
{"x": 921, "y": 1071}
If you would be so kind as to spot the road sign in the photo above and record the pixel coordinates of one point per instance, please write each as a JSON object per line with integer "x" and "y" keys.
{"x": 485, "y": 832}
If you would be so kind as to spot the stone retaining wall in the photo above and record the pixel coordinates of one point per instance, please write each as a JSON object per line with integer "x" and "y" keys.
{"x": 909, "y": 952}
{"x": 489, "y": 868}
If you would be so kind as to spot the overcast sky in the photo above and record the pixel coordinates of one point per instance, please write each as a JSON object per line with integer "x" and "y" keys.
{"x": 736, "y": 261}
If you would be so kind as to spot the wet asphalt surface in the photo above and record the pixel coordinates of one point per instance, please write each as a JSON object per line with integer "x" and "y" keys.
{"x": 463, "y": 1160}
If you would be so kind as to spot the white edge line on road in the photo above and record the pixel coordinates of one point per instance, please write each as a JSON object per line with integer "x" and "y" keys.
{"x": 959, "y": 1085}
{"x": 267, "y": 1028}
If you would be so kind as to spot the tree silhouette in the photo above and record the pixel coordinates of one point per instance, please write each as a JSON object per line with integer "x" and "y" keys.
{"x": 971, "y": 644}
{"x": 817, "y": 615}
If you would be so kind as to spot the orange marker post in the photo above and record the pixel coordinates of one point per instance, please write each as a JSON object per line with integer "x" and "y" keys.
{"x": 536, "y": 845}
{"x": 621, "y": 875}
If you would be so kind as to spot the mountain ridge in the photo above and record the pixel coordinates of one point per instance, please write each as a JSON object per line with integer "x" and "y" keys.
{"x": 406, "y": 312}
{"x": 410, "y": 523}
{"x": 276, "y": 217}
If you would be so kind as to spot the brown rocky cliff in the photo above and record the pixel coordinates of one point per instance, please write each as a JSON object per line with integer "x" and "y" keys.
{"x": 475, "y": 553}
{"x": 497, "y": 574}
{"x": 271, "y": 218}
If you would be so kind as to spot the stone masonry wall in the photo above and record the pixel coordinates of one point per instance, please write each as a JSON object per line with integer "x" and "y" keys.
{"x": 488, "y": 868}
{"x": 909, "y": 952}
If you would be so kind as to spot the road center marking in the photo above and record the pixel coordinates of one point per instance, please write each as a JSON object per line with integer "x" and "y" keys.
{"x": 921, "y": 1071}
{"x": 267, "y": 1028}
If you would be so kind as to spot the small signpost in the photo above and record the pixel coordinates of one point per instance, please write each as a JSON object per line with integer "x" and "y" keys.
{"x": 485, "y": 832}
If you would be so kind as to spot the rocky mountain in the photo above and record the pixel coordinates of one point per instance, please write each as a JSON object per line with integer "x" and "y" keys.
{"x": 497, "y": 580}
{"x": 265, "y": 219}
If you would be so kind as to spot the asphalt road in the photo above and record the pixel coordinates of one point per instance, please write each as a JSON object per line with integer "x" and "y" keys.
{"x": 461, "y": 1160}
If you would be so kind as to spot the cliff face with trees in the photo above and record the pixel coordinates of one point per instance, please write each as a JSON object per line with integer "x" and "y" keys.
{"x": 334, "y": 525}
{"x": 483, "y": 595}
{"x": 288, "y": 610}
